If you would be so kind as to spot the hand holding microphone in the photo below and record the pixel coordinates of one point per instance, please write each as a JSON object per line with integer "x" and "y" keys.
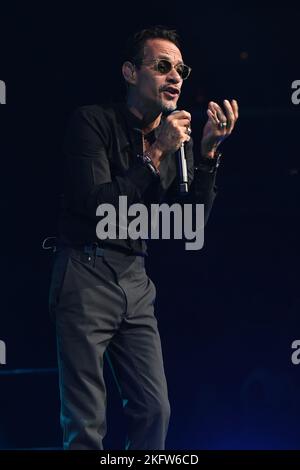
{"x": 174, "y": 132}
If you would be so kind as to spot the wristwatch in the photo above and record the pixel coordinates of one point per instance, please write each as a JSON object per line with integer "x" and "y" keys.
{"x": 209, "y": 165}
{"x": 147, "y": 160}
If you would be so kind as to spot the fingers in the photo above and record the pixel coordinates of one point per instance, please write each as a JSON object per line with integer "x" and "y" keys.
{"x": 186, "y": 137}
{"x": 229, "y": 115}
{"x": 217, "y": 111}
{"x": 217, "y": 115}
{"x": 212, "y": 116}
{"x": 174, "y": 131}
{"x": 181, "y": 121}
{"x": 183, "y": 117}
{"x": 235, "y": 109}
{"x": 183, "y": 125}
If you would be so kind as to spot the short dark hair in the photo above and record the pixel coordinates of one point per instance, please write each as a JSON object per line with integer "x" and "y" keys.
{"x": 135, "y": 44}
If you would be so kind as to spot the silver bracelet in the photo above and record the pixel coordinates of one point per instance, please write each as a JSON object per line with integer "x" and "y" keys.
{"x": 147, "y": 160}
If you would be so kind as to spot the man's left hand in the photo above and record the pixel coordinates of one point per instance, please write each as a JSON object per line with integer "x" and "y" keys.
{"x": 219, "y": 126}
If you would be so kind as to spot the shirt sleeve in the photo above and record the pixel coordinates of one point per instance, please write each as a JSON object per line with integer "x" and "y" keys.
{"x": 88, "y": 162}
{"x": 201, "y": 183}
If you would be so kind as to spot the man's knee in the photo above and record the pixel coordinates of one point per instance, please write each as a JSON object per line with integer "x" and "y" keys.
{"x": 159, "y": 410}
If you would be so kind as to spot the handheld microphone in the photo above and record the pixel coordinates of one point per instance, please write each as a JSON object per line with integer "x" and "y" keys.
{"x": 182, "y": 167}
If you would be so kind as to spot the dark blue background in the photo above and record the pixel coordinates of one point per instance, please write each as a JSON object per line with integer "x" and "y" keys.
{"x": 228, "y": 349}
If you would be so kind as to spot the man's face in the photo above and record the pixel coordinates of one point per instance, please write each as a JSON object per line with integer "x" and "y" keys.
{"x": 155, "y": 90}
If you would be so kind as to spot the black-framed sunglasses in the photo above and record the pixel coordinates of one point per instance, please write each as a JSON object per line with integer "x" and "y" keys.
{"x": 164, "y": 66}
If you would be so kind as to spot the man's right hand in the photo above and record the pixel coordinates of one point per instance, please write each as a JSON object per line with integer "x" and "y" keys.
{"x": 172, "y": 134}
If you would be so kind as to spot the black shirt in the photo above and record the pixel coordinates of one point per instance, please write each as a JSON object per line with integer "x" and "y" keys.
{"x": 101, "y": 148}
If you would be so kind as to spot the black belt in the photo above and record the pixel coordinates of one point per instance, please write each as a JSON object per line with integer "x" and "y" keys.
{"x": 90, "y": 249}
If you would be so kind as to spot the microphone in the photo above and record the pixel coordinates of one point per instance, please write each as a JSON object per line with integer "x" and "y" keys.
{"x": 182, "y": 167}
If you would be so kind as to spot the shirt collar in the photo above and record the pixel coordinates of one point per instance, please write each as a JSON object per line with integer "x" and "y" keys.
{"x": 133, "y": 121}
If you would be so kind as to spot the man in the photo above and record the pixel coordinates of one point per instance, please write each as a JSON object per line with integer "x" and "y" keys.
{"x": 101, "y": 298}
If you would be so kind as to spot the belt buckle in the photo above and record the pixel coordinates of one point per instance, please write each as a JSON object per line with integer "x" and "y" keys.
{"x": 93, "y": 249}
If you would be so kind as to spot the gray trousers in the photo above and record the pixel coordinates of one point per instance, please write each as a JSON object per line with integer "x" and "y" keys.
{"x": 104, "y": 305}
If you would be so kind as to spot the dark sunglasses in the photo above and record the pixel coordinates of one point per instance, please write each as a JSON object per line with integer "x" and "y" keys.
{"x": 164, "y": 66}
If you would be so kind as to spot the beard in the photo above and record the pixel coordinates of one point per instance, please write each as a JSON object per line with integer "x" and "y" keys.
{"x": 168, "y": 108}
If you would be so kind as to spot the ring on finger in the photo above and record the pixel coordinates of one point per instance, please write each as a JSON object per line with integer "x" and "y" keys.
{"x": 188, "y": 130}
{"x": 222, "y": 124}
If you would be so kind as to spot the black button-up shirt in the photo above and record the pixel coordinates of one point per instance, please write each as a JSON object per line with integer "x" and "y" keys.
{"x": 101, "y": 151}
